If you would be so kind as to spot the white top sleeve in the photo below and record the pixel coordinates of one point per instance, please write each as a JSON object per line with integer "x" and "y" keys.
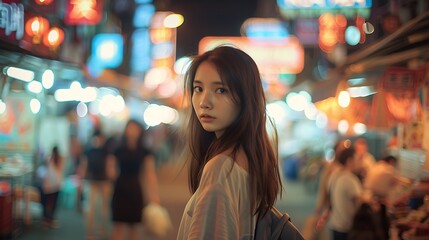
{"x": 220, "y": 208}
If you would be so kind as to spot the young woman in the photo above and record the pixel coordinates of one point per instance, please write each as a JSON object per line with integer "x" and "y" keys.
{"x": 52, "y": 178}
{"x": 136, "y": 184}
{"x": 234, "y": 173}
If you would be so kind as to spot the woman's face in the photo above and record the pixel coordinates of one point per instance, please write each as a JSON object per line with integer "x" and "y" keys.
{"x": 212, "y": 100}
{"x": 132, "y": 132}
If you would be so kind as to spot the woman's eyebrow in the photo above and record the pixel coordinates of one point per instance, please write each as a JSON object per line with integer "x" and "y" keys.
{"x": 218, "y": 83}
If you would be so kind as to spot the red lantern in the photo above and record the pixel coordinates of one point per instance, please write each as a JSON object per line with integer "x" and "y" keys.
{"x": 35, "y": 27}
{"x": 54, "y": 37}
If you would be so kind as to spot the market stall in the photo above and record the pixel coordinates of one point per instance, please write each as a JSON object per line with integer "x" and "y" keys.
{"x": 395, "y": 74}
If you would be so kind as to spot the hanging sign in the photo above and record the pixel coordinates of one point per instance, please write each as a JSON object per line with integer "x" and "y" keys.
{"x": 400, "y": 79}
{"x": 401, "y": 92}
{"x": 11, "y": 20}
{"x": 83, "y": 12}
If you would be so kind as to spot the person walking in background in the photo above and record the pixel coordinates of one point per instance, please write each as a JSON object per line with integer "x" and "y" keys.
{"x": 51, "y": 177}
{"x": 315, "y": 223}
{"x": 330, "y": 168}
{"x": 346, "y": 194}
{"x": 234, "y": 174}
{"x": 365, "y": 159}
{"x": 382, "y": 178}
{"x": 95, "y": 167}
{"x": 136, "y": 184}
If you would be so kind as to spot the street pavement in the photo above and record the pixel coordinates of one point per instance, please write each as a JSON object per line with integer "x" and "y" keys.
{"x": 297, "y": 200}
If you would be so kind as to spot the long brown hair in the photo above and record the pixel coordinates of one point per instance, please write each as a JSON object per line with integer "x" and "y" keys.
{"x": 240, "y": 74}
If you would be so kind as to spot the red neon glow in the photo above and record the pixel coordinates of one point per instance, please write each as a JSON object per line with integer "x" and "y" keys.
{"x": 35, "y": 27}
{"x": 54, "y": 37}
{"x": 43, "y": 2}
{"x": 81, "y": 12}
{"x": 328, "y": 32}
{"x": 359, "y": 24}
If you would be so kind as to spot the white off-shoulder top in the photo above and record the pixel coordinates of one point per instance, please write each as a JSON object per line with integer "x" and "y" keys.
{"x": 220, "y": 207}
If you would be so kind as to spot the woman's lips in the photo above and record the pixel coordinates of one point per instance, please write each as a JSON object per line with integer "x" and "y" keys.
{"x": 206, "y": 118}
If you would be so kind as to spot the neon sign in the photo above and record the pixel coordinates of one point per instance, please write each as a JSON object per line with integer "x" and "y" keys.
{"x": 327, "y": 4}
{"x": 83, "y": 12}
{"x": 314, "y": 8}
{"x": 12, "y": 19}
{"x": 273, "y": 56}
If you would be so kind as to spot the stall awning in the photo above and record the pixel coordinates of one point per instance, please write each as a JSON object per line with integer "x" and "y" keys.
{"x": 411, "y": 41}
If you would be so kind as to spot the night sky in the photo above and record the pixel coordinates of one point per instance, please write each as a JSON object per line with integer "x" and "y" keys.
{"x": 209, "y": 18}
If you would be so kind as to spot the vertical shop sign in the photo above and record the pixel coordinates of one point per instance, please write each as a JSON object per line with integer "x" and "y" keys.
{"x": 400, "y": 79}
{"x": 401, "y": 86}
{"x": 11, "y": 20}
{"x": 83, "y": 12}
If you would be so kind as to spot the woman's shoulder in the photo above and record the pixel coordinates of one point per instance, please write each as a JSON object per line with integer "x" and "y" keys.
{"x": 220, "y": 167}
{"x": 219, "y": 162}
{"x": 221, "y": 173}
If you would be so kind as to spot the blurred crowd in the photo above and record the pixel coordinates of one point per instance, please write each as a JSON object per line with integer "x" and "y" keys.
{"x": 354, "y": 195}
{"x": 113, "y": 178}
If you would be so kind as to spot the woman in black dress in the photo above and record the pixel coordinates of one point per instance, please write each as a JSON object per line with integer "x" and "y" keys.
{"x": 136, "y": 184}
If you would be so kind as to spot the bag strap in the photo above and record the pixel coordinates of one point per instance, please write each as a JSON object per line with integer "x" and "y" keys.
{"x": 275, "y": 235}
{"x": 285, "y": 224}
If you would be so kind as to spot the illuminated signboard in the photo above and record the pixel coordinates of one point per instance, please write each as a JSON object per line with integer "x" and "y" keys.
{"x": 265, "y": 28}
{"x": 11, "y": 20}
{"x": 314, "y": 8}
{"x": 108, "y": 49}
{"x": 273, "y": 56}
{"x": 83, "y": 12}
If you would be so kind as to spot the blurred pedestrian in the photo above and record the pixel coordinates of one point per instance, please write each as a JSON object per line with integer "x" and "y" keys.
{"x": 382, "y": 177}
{"x": 330, "y": 168}
{"x": 346, "y": 194}
{"x": 382, "y": 181}
{"x": 315, "y": 223}
{"x": 51, "y": 177}
{"x": 365, "y": 159}
{"x": 234, "y": 174}
{"x": 95, "y": 167}
{"x": 136, "y": 184}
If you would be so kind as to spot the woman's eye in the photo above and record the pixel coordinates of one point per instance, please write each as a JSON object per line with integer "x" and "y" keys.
{"x": 221, "y": 90}
{"x": 198, "y": 89}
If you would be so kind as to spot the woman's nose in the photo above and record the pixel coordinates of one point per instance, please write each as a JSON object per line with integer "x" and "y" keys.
{"x": 206, "y": 101}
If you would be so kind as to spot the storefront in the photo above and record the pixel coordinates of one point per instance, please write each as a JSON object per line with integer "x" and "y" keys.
{"x": 391, "y": 78}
